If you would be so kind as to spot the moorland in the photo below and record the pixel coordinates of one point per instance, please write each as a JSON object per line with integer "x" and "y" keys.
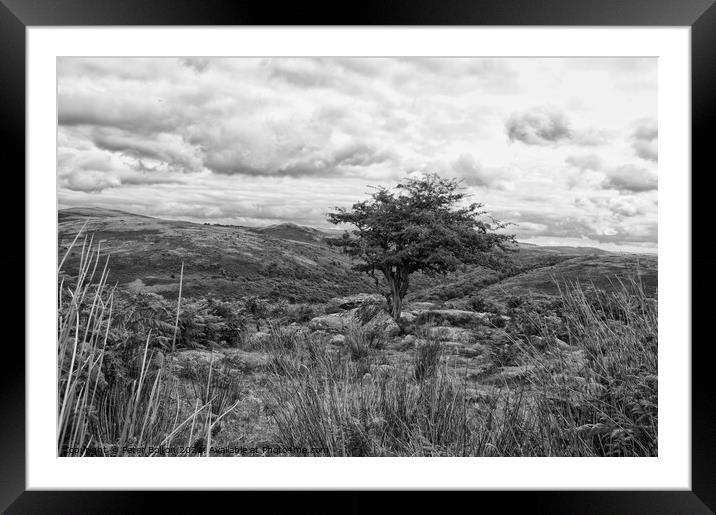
{"x": 181, "y": 338}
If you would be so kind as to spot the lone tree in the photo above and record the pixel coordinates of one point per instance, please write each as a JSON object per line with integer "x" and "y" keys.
{"x": 420, "y": 225}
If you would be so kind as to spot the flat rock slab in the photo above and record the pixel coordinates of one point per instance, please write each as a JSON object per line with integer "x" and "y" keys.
{"x": 421, "y": 306}
{"x": 337, "y": 322}
{"x": 453, "y": 317}
{"x": 453, "y": 334}
{"x": 463, "y": 350}
{"x": 510, "y": 375}
{"x": 379, "y": 320}
{"x": 245, "y": 361}
{"x": 231, "y": 359}
{"x": 353, "y": 301}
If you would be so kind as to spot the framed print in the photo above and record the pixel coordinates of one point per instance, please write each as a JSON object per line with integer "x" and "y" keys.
{"x": 417, "y": 250}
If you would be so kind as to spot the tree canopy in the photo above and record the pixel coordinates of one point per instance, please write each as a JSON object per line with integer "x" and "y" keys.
{"x": 423, "y": 224}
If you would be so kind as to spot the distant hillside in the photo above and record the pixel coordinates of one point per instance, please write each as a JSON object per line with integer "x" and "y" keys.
{"x": 224, "y": 261}
{"x": 294, "y": 262}
{"x": 602, "y": 271}
{"x": 293, "y": 232}
{"x": 77, "y": 213}
{"x": 555, "y": 249}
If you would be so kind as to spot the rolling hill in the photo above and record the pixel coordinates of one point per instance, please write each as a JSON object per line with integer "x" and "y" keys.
{"x": 294, "y": 262}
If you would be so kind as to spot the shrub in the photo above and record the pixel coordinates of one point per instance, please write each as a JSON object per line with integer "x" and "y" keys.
{"x": 514, "y": 301}
{"x": 141, "y": 405}
{"x": 504, "y": 351}
{"x": 483, "y": 305}
{"x": 300, "y": 313}
{"x": 257, "y": 308}
{"x": 427, "y": 359}
{"x": 497, "y": 321}
{"x": 202, "y": 323}
{"x": 537, "y": 317}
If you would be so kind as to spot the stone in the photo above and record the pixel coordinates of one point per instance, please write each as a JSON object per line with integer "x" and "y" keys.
{"x": 353, "y": 301}
{"x": 191, "y": 362}
{"x": 562, "y": 344}
{"x": 576, "y": 359}
{"x": 454, "y": 317}
{"x": 198, "y": 360}
{"x": 375, "y": 319}
{"x": 455, "y": 334}
{"x": 337, "y": 339}
{"x": 537, "y": 342}
{"x": 245, "y": 361}
{"x": 420, "y": 306}
{"x": 451, "y": 347}
{"x": 461, "y": 349}
{"x": 408, "y": 317}
{"x": 259, "y": 339}
{"x": 383, "y": 323}
{"x": 514, "y": 374}
{"x": 409, "y": 340}
{"x": 336, "y": 322}
{"x": 402, "y": 344}
{"x": 194, "y": 356}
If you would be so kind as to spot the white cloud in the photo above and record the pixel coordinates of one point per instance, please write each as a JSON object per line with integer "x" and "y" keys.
{"x": 631, "y": 178}
{"x": 645, "y": 140}
{"x": 254, "y": 140}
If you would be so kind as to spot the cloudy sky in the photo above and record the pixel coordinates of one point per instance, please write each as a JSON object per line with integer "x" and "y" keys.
{"x": 565, "y": 148}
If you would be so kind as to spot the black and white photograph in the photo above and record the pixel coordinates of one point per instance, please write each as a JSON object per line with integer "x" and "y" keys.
{"x": 357, "y": 256}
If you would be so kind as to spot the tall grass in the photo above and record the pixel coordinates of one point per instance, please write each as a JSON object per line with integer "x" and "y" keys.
{"x": 427, "y": 357}
{"x": 597, "y": 398}
{"x": 84, "y": 316}
{"x": 606, "y": 403}
{"x": 141, "y": 412}
{"x": 341, "y": 405}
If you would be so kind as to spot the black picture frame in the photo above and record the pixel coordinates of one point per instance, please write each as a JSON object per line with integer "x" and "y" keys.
{"x": 17, "y": 15}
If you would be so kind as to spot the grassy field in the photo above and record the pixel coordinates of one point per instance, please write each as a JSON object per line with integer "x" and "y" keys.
{"x": 269, "y": 351}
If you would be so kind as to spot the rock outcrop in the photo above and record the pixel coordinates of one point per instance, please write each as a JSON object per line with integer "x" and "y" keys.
{"x": 452, "y": 317}
{"x": 353, "y": 301}
{"x": 370, "y": 316}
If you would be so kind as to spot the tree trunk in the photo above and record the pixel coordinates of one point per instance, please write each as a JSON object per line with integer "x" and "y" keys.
{"x": 396, "y": 301}
{"x": 398, "y": 282}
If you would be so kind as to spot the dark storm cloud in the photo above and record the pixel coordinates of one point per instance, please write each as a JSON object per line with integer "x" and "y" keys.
{"x": 541, "y": 126}
{"x": 645, "y": 140}
{"x": 361, "y": 154}
{"x": 544, "y": 126}
{"x": 95, "y": 181}
{"x": 310, "y": 162}
{"x": 168, "y": 148}
{"x": 631, "y": 178}
{"x": 140, "y": 115}
{"x": 94, "y": 170}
